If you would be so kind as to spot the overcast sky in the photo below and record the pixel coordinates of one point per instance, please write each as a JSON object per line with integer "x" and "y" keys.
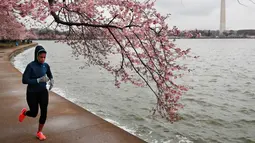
{"x": 205, "y": 14}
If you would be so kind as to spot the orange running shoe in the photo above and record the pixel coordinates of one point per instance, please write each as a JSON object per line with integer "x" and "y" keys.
{"x": 22, "y": 114}
{"x": 40, "y": 136}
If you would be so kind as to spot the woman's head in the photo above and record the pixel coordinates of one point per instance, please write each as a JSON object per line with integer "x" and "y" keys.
{"x": 40, "y": 54}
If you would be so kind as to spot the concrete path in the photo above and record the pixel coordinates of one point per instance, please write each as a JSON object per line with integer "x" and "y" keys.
{"x": 66, "y": 122}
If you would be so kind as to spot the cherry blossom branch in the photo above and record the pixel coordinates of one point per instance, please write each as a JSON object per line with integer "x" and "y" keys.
{"x": 132, "y": 62}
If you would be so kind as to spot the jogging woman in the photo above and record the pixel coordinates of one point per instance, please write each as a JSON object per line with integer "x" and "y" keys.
{"x": 36, "y": 75}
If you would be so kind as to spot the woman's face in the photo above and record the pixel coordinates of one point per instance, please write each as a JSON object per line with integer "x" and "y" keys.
{"x": 41, "y": 57}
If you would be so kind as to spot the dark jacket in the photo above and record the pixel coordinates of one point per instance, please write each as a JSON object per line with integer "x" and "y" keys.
{"x": 36, "y": 70}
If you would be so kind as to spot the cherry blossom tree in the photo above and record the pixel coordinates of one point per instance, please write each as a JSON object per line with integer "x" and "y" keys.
{"x": 132, "y": 30}
{"x": 11, "y": 28}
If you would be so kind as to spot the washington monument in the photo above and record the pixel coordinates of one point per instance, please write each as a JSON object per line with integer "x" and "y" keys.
{"x": 222, "y": 17}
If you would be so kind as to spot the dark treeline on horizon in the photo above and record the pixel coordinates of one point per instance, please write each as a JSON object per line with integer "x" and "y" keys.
{"x": 242, "y": 33}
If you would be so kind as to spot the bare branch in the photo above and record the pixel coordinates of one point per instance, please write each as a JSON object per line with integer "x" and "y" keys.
{"x": 112, "y": 19}
{"x": 57, "y": 19}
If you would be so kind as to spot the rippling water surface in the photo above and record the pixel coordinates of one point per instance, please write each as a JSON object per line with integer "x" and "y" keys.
{"x": 219, "y": 107}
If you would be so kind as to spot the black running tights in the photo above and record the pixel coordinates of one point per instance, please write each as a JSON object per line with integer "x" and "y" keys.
{"x": 36, "y": 99}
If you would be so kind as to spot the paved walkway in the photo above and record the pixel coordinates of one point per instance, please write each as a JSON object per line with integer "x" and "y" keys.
{"x": 66, "y": 122}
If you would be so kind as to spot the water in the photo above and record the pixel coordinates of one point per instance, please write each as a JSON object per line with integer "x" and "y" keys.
{"x": 219, "y": 107}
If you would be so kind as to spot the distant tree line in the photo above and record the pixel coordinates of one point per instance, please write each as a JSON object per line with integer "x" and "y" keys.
{"x": 250, "y": 32}
{"x": 245, "y": 33}
{"x": 49, "y": 34}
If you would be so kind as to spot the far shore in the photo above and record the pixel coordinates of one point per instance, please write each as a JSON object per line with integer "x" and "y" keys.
{"x": 169, "y": 38}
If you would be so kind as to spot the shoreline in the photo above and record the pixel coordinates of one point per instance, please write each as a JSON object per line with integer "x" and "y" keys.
{"x": 208, "y": 38}
{"x": 71, "y": 124}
